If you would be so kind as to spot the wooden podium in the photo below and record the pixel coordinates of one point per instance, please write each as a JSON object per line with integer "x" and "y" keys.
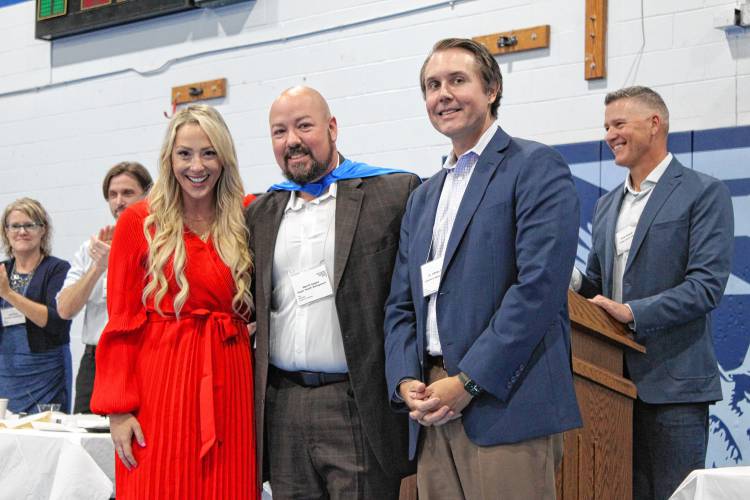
{"x": 598, "y": 458}
{"x": 597, "y": 461}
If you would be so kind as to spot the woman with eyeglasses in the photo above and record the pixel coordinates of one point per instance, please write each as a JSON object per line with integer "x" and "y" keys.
{"x": 35, "y": 363}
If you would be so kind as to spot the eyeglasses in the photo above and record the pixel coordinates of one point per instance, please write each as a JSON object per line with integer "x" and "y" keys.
{"x": 31, "y": 227}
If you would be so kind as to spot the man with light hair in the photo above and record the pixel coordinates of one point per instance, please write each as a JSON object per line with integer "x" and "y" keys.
{"x": 659, "y": 261}
{"x": 86, "y": 282}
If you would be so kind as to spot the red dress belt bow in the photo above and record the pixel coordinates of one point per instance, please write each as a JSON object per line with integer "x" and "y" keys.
{"x": 225, "y": 326}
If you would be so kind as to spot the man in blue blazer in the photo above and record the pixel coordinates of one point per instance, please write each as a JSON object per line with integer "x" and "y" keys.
{"x": 660, "y": 259}
{"x": 477, "y": 330}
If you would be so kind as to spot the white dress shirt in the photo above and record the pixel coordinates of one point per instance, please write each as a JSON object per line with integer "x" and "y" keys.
{"x": 307, "y": 337}
{"x": 631, "y": 209}
{"x": 95, "y": 314}
{"x": 454, "y": 187}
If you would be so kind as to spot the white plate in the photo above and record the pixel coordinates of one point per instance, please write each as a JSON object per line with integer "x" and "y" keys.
{"x": 92, "y": 423}
{"x": 50, "y": 426}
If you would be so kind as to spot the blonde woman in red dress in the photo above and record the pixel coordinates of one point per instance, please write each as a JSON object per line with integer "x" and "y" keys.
{"x": 174, "y": 369}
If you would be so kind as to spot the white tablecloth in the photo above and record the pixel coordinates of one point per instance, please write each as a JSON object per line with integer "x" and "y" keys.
{"x": 726, "y": 483}
{"x": 55, "y": 465}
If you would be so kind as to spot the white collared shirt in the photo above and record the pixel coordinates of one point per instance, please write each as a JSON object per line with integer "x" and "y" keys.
{"x": 95, "y": 314}
{"x": 305, "y": 337}
{"x": 631, "y": 210}
{"x": 453, "y": 191}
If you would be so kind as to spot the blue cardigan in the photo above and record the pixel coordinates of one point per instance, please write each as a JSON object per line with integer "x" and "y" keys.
{"x": 45, "y": 284}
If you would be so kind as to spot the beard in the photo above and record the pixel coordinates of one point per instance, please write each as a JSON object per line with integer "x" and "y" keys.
{"x": 296, "y": 172}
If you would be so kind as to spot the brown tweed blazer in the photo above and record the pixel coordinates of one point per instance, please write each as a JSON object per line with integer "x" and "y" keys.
{"x": 368, "y": 221}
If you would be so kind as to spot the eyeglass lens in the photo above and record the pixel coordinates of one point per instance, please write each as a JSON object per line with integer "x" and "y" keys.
{"x": 31, "y": 227}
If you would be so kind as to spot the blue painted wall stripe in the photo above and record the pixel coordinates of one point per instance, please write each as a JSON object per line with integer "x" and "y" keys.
{"x": 722, "y": 138}
{"x": 5, "y": 3}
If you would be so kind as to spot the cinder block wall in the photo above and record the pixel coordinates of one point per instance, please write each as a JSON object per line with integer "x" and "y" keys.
{"x": 70, "y": 109}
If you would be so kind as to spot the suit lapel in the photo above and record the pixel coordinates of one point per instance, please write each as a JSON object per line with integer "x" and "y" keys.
{"x": 610, "y": 222}
{"x": 423, "y": 232}
{"x": 422, "y": 241}
{"x": 348, "y": 204}
{"x": 485, "y": 168}
{"x": 266, "y": 229}
{"x": 662, "y": 190}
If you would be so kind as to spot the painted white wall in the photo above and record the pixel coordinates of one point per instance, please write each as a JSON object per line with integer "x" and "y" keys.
{"x": 70, "y": 109}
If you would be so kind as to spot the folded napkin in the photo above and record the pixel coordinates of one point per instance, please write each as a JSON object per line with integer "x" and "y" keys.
{"x": 27, "y": 421}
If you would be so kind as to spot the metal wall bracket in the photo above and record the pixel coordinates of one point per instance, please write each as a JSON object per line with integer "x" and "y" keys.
{"x": 199, "y": 91}
{"x": 507, "y": 42}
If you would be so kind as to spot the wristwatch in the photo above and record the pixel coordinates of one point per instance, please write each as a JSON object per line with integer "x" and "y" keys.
{"x": 469, "y": 385}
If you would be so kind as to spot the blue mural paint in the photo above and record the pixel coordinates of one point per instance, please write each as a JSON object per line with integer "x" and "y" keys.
{"x": 5, "y": 3}
{"x": 725, "y": 154}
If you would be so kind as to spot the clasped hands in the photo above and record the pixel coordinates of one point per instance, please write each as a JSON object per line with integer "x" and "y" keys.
{"x": 437, "y": 403}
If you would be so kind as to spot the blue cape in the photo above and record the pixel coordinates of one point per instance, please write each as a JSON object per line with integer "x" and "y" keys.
{"x": 346, "y": 170}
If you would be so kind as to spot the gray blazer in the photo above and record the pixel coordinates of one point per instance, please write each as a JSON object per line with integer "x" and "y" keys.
{"x": 676, "y": 272}
{"x": 368, "y": 220}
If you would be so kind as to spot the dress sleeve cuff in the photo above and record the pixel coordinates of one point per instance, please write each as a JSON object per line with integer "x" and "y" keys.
{"x": 116, "y": 384}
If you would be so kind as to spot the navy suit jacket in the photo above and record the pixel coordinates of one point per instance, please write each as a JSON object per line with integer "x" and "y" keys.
{"x": 677, "y": 268}
{"x": 502, "y": 305}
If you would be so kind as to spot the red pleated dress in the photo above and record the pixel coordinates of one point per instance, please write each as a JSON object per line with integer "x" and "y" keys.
{"x": 187, "y": 380}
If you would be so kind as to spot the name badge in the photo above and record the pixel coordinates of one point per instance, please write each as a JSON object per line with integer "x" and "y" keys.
{"x": 12, "y": 316}
{"x": 431, "y": 273}
{"x": 311, "y": 285}
{"x": 623, "y": 240}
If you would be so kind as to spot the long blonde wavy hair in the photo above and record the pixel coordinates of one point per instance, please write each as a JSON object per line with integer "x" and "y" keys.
{"x": 164, "y": 225}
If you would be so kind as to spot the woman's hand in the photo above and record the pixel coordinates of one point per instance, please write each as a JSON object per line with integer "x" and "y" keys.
{"x": 123, "y": 426}
{"x": 4, "y": 282}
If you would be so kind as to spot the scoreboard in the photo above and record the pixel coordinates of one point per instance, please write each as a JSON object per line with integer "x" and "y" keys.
{"x": 59, "y": 18}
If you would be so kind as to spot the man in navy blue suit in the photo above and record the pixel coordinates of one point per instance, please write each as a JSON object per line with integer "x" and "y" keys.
{"x": 659, "y": 261}
{"x": 477, "y": 330}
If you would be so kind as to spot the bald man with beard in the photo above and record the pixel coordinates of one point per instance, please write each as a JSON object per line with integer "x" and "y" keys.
{"x": 325, "y": 242}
